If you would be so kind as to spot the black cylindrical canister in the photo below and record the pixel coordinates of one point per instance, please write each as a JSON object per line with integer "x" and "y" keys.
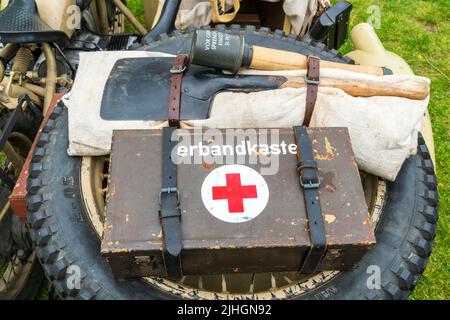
{"x": 220, "y": 50}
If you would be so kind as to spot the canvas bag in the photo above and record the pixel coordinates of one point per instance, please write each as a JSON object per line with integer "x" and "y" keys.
{"x": 383, "y": 129}
{"x": 198, "y": 13}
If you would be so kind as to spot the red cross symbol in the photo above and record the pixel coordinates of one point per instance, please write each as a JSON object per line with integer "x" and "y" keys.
{"x": 234, "y": 192}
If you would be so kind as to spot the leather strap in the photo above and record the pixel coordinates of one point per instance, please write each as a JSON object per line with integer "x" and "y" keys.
{"x": 169, "y": 212}
{"x": 177, "y": 71}
{"x": 312, "y": 80}
{"x": 309, "y": 181}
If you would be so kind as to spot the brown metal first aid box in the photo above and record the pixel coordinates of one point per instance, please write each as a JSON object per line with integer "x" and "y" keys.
{"x": 242, "y": 206}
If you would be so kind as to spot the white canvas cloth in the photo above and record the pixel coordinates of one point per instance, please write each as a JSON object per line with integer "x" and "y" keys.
{"x": 383, "y": 129}
{"x": 197, "y": 13}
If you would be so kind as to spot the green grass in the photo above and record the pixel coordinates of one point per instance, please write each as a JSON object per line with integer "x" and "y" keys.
{"x": 3, "y": 266}
{"x": 418, "y": 31}
{"x": 138, "y": 10}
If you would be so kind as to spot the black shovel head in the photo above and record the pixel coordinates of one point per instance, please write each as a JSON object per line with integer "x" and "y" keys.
{"x": 138, "y": 89}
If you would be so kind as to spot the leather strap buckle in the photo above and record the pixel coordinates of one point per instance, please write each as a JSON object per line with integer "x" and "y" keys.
{"x": 169, "y": 211}
{"x": 309, "y": 184}
{"x": 178, "y": 70}
{"x": 311, "y": 181}
{"x": 169, "y": 191}
{"x": 312, "y": 80}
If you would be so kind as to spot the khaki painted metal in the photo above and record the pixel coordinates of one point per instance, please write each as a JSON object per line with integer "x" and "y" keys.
{"x": 224, "y": 17}
{"x": 277, "y": 240}
{"x": 103, "y": 16}
{"x": 370, "y": 51}
{"x": 57, "y": 14}
{"x": 152, "y": 12}
{"x": 3, "y": 4}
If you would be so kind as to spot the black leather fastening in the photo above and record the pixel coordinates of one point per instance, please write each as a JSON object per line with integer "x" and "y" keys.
{"x": 169, "y": 212}
{"x": 310, "y": 182}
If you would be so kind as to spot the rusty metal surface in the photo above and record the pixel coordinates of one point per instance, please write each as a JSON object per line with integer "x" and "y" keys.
{"x": 276, "y": 240}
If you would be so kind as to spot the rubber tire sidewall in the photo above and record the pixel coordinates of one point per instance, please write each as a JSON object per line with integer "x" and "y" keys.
{"x": 65, "y": 237}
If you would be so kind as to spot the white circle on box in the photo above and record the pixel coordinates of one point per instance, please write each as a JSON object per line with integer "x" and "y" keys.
{"x": 235, "y": 193}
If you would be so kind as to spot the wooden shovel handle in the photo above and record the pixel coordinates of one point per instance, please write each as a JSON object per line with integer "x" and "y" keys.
{"x": 417, "y": 90}
{"x": 271, "y": 59}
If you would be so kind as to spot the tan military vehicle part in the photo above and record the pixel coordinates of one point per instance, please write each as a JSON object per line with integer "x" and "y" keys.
{"x": 3, "y": 4}
{"x": 152, "y": 12}
{"x": 58, "y": 14}
{"x": 370, "y": 51}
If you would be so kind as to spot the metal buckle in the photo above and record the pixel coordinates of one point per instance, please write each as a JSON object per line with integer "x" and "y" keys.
{"x": 308, "y": 164}
{"x": 310, "y": 81}
{"x": 168, "y": 191}
{"x": 310, "y": 184}
{"x": 178, "y": 70}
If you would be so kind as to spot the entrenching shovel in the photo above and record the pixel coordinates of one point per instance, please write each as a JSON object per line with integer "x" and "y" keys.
{"x": 138, "y": 89}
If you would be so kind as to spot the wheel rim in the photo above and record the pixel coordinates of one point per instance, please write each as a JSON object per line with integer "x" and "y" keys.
{"x": 94, "y": 176}
{"x": 15, "y": 276}
{"x": 15, "y": 270}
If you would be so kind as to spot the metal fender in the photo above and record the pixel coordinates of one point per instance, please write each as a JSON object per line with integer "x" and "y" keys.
{"x": 370, "y": 51}
{"x": 57, "y": 14}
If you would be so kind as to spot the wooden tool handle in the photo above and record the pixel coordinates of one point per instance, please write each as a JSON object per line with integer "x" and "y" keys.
{"x": 271, "y": 59}
{"x": 417, "y": 90}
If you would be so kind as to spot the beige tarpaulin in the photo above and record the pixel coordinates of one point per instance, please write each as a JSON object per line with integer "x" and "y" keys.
{"x": 383, "y": 129}
{"x": 197, "y": 13}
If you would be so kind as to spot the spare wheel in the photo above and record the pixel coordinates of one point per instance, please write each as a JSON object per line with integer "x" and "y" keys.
{"x": 66, "y": 204}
